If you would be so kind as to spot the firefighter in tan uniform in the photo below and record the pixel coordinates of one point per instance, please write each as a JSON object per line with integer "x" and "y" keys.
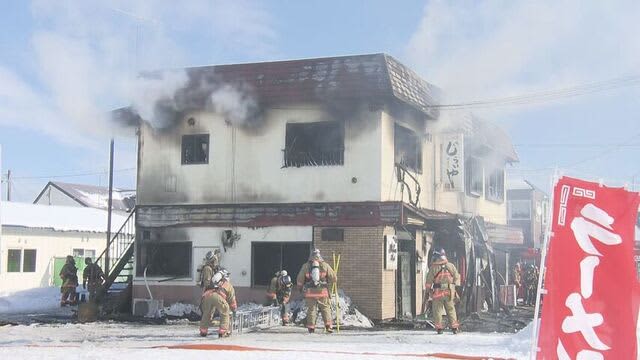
{"x": 220, "y": 296}
{"x": 211, "y": 266}
{"x": 279, "y": 293}
{"x": 442, "y": 279}
{"x": 314, "y": 280}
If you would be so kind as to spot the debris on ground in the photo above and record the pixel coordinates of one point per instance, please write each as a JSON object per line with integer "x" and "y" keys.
{"x": 349, "y": 314}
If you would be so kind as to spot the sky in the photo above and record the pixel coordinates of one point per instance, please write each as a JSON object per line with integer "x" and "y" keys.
{"x": 65, "y": 64}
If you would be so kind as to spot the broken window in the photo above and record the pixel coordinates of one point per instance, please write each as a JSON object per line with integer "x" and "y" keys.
{"x": 407, "y": 148}
{"x": 495, "y": 185}
{"x": 167, "y": 259}
{"x": 195, "y": 149}
{"x": 269, "y": 257}
{"x": 314, "y": 144}
{"x": 473, "y": 176}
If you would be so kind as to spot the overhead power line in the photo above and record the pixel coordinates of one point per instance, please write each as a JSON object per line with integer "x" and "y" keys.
{"x": 544, "y": 96}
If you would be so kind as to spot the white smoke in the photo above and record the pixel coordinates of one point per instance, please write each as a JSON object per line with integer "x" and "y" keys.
{"x": 85, "y": 55}
{"x": 148, "y": 91}
{"x": 235, "y": 103}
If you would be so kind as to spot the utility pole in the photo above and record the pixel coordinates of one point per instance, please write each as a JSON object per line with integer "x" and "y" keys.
{"x": 8, "y": 185}
{"x": 106, "y": 254}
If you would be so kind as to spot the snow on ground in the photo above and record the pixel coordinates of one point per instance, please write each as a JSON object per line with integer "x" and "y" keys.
{"x": 111, "y": 340}
{"x": 125, "y": 341}
{"x": 180, "y": 310}
{"x": 28, "y": 301}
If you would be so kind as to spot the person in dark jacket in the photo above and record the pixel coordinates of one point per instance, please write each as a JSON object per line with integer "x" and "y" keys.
{"x": 93, "y": 277}
{"x": 69, "y": 276}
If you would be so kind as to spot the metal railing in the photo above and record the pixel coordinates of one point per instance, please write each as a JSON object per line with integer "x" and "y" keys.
{"x": 296, "y": 158}
{"x": 120, "y": 243}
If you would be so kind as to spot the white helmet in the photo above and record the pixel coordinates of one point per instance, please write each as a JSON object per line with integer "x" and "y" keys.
{"x": 283, "y": 273}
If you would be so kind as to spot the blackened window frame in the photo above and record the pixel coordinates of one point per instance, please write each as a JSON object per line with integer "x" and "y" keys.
{"x": 414, "y": 162}
{"x": 264, "y": 278}
{"x": 304, "y": 145}
{"x": 474, "y": 176}
{"x": 144, "y": 258}
{"x": 494, "y": 179}
{"x": 191, "y": 142}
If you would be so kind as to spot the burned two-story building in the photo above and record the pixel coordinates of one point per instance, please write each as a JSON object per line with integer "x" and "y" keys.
{"x": 341, "y": 154}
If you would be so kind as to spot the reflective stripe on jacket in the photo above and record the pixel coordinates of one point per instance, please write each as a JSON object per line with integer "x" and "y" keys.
{"x": 327, "y": 277}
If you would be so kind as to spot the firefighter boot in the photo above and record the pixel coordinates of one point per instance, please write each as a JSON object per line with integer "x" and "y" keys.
{"x": 328, "y": 329}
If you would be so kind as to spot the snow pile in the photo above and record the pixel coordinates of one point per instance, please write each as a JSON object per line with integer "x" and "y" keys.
{"x": 28, "y": 301}
{"x": 180, "y": 310}
{"x": 349, "y": 314}
{"x": 250, "y": 307}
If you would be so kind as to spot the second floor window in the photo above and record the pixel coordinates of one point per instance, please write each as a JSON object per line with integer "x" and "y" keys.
{"x": 314, "y": 144}
{"x": 407, "y": 148}
{"x": 494, "y": 184}
{"x": 473, "y": 176}
{"x": 195, "y": 149}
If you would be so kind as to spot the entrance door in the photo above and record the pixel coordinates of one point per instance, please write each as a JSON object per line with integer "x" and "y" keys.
{"x": 404, "y": 285}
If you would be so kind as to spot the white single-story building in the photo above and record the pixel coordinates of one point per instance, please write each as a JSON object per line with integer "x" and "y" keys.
{"x": 35, "y": 239}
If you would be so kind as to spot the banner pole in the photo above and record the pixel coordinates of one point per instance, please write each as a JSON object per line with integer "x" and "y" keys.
{"x": 542, "y": 272}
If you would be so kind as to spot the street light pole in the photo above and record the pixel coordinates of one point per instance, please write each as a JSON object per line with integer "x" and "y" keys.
{"x": 106, "y": 255}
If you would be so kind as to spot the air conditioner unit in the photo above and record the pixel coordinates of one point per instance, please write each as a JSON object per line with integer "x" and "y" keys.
{"x": 147, "y": 307}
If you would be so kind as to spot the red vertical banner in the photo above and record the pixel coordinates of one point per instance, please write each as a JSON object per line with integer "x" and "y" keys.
{"x": 590, "y": 309}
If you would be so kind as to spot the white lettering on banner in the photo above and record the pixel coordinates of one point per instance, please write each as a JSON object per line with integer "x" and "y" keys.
{"x": 596, "y": 225}
{"x": 584, "y": 230}
{"x": 582, "y": 355}
{"x": 589, "y": 355}
{"x": 564, "y": 198}
{"x": 589, "y": 194}
{"x": 587, "y": 268}
{"x": 582, "y": 322}
{"x": 562, "y": 352}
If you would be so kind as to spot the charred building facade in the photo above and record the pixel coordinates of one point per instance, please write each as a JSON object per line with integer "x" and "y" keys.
{"x": 344, "y": 154}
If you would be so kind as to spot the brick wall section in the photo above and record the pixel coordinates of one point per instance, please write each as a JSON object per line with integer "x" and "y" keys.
{"x": 388, "y": 283}
{"x": 361, "y": 268}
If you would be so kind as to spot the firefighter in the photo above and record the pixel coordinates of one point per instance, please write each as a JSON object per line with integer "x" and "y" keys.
{"x": 279, "y": 293}
{"x": 69, "y": 276}
{"x": 442, "y": 280}
{"x": 517, "y": 280}
{"x": 218, "y": 295}
{"x": 94, "y": 278}
{"x": 531, "y": 279}
{"x": 313, "y": 280}
{"x": 211, "y": 266}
